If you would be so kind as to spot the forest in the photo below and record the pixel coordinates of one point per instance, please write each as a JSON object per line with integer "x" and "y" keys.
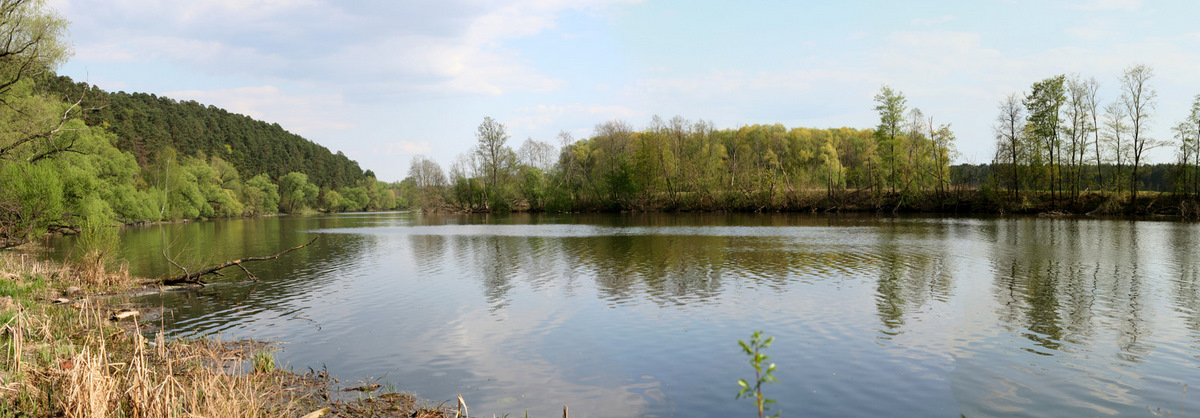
{"x": 146, "y": 125}
{"x": 1055, "y": 152}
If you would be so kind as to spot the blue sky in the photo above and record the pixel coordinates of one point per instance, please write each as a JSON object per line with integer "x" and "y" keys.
{"x": 384, "y": 80}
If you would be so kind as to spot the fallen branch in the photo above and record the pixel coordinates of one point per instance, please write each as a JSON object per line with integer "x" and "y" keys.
{"x": 195, "y": 277}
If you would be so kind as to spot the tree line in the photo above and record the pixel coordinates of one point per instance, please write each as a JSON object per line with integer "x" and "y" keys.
{"x": 679, "y": 164}
{"x": 1059, "y": 141}
{"x": 1055, "y": 150}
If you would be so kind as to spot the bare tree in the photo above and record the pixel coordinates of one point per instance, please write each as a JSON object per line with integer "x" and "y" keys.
{"x": 1077, "y": 129}
{"x": 537, "y": 154}
{"x": 914, "y": 147}
{"x": 1093, "y": 108}
{"x": 1193, "y": 121}
{"x": 943, "y": 151}
{"x": 1138, "y": 100}
{"x": 1187, "y": 145}
{"x": 1116, "y": 130}
{"x": 426, "y": 172}
{"x": 1010, "y": 125}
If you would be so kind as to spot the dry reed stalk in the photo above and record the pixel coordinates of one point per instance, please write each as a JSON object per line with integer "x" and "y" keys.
{"x": 90, "y": 389}
{"x": 14, "y": 331}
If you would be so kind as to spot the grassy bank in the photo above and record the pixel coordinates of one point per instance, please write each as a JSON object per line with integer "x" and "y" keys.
{"x": 69, "y": 353}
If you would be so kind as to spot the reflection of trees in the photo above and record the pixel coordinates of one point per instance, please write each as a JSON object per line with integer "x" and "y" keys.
{"x": 498, "y": 262}
{"x": 912, "y": 269}
{"x": 1041, "y": 296}
{"x": 427, "y": 252}
{"x": 1186, "y": 289}
{"x": 280, "y": 282}
{"x": 1054, "y": 278}
{"x": 670, "y": 269}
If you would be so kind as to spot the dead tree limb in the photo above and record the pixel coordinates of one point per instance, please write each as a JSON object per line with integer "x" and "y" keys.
{"x": 195, "y": 277}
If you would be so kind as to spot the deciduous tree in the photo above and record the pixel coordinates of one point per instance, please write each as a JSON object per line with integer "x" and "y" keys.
{"x": 1138, "y": 100}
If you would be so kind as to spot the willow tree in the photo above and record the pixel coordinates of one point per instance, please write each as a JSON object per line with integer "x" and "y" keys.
{"x": 32, "y": 41}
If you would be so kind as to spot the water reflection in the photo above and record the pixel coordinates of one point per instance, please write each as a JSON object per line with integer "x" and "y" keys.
{"x": 638, "y": 315}
{"x": 914, "y": 270}
{"x": 1053, "y": 279}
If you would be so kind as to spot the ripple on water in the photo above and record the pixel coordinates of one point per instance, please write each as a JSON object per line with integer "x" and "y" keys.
{"x": 618, "y": 316}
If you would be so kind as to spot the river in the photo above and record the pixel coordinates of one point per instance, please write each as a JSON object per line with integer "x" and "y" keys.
{"x": 639, "y": 315}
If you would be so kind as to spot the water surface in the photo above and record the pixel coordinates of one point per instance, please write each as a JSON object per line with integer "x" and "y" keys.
{"x": 639, "y": 315}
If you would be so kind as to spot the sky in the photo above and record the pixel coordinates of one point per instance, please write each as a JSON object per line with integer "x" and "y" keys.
{"x": 384, "y": 80}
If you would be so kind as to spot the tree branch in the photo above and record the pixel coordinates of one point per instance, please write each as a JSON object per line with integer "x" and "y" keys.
{"x": 194, "y": 278}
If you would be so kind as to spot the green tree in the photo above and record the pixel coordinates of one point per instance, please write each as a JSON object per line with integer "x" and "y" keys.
{"x": 296, "y": 193}
{"x": 30, "y": 201}
{"x": 332, "y": 200}
{"x": 261, "y": 195}
{"x": 891, "y": 108}
{"x": 32, "y": 41}
{"x": 1044, "y": 103}
{"x": 495, "y": 158}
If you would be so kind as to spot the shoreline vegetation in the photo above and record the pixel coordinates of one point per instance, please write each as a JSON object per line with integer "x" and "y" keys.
{"x": 71, "y": 351}
{"x": 1054, "y": 154}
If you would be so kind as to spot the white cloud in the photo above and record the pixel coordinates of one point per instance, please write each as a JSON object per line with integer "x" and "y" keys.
{"x": 379, "y": 49}
{"x": 303, "y": 114}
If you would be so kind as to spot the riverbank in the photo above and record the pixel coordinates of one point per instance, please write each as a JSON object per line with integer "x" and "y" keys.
{"x": 69, "y": 352}
{"x": 955, "y": 201}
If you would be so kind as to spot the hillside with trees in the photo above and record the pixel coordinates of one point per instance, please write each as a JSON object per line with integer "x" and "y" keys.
{"x": 147, "y": 124}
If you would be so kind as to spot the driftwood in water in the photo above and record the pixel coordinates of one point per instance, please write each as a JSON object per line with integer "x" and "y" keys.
{"x": 189, "y": 277}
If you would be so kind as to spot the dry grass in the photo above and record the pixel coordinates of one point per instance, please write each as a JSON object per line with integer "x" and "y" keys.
{"x": 120, "y": 373}
{"x": 73, "y": 360}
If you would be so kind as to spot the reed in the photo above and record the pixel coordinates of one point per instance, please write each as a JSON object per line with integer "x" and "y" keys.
{"x": 73, "y": 359}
